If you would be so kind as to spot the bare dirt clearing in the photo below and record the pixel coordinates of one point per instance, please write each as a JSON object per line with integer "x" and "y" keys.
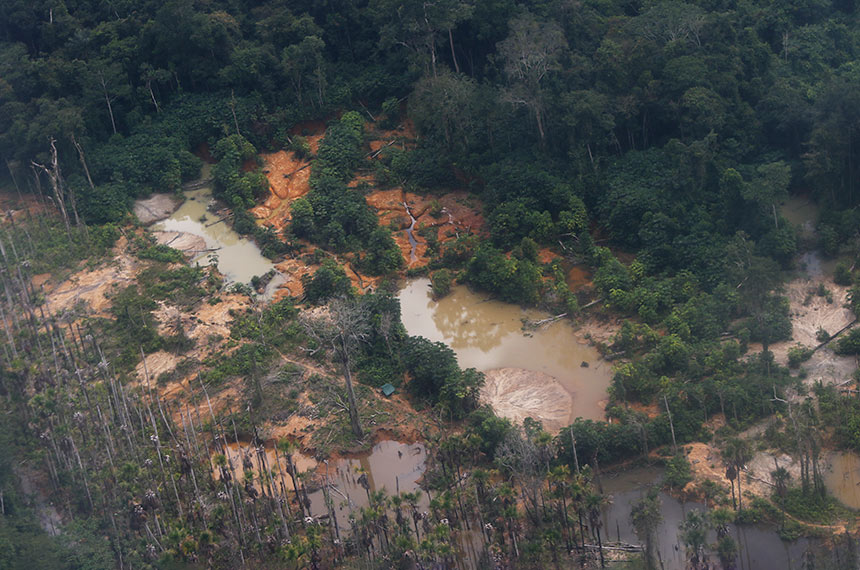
{"x": 810, "y": 312}
{"x": 92, "y": 286}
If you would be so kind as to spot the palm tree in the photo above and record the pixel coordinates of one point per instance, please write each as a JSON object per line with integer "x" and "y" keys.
{"x": 736, "y": 454}
{"x": 509, "y": 499}
{"x": 559, "y": 478}
{"x": 781, "y": 477}
{"x": 694, "y": 534}
{"x": 646, "y": 517}
{"x": 594, "y": 504}
{"x": 727, "y": 548}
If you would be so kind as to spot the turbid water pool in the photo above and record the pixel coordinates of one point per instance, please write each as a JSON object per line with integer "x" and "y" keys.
{"x": 488, "y": 335}
{"x": 238, "y": 258}
{"x": 842, "y": 478}
{"x": 759, "y": 547}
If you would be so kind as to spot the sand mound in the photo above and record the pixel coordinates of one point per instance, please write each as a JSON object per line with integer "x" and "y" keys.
{"x": 516, "y": 394}
{"x": 189, "y": 244}
{"x": 156, "y": 207}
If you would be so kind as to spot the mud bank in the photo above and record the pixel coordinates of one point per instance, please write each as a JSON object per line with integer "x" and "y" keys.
{"x": 155, "y": 208}
{"x": 190, "y": 245}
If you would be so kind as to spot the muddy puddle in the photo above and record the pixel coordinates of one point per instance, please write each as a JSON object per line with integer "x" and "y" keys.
{"x": 759, "y": 548}
{"x": 487, "y": 335}
{"x": 238, "y": 258}
{"x": 390, "y": 465}
{"x": 842, "y": 478}
{"x": 239, "y": 455}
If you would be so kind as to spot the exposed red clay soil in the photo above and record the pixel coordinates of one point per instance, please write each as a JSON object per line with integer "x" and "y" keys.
{"x": 546, "y": 255}
{"x": 289, "y": 178}
{"x": 457, "y": 215}
{"x": 578, "y": 278}
{"x": 312, "y": 131}
{"x": 293, "y": 270}
{"x": 13, "y": 207}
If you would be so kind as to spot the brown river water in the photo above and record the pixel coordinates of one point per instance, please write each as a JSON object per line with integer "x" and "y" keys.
{"x": 842, "y": 478}
{"x": 759, "y": 547}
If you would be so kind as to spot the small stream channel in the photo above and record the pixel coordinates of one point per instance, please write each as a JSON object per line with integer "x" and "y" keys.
{"x": 410, "y": 233}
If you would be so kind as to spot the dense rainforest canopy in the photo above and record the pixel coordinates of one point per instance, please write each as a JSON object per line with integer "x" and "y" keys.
{"x": 674, "y": 125}
{"x": 652, "y": 141}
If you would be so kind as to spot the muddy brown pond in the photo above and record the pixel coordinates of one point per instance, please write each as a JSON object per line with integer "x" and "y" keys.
{"x": 842, "y": 478}
{"x": 238, "y": 258}
{"x": 488, "y": 335}
{"x": 390, "y": 465}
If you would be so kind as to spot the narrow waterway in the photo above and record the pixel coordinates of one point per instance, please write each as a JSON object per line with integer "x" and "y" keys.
{"x": 413, "y": 243}
{"x": 802, "y": 213}
{"x": 238, "y": 258}
{"x": 488, "y": 335}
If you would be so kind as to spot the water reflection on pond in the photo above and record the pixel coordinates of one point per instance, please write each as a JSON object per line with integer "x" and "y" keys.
{"x": 842, "y": 478}
{"x": 390, "y": 465}
{"x": 759, "y": 548}
{"x": 487, "y": 334}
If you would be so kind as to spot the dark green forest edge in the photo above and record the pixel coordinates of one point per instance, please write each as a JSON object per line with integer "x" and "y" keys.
{"x": 650, "y": 141}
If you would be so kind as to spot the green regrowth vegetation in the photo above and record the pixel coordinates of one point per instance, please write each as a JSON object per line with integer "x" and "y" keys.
{"x": 328, "y": 281}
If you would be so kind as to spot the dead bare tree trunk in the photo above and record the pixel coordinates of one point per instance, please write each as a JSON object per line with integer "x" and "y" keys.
{"x": 354, "y": 420}
{"x": 453, "y": 53}
{"x": 107, "y": 100}
{"x": 152, "y": 95}
{"x": 54, "y": 176}
{"x": 83, "y": 160}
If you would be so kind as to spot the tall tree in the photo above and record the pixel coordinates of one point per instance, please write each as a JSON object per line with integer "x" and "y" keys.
{"x": 343, "y": 330}
{"x": 530, "y": 52}
{"x": 646, "y": 517}
{"x": 418, "y": 25}
{"x": 736, "y": 453}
